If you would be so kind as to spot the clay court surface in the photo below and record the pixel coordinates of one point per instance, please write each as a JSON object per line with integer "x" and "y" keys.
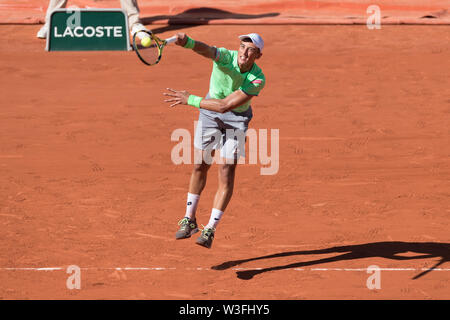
{"x": 87, "y": 177}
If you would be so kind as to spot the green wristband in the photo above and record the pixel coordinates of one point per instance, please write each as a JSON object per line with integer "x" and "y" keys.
{"x": 190, "y": 43}
{"x": 194, "y": 101}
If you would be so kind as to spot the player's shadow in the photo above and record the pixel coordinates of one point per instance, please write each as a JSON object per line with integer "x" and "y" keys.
{"x": 199, "y": 16}
{"x": 388, "y": 250}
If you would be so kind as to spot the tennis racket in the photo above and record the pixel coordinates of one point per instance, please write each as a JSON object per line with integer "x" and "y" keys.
{"x": 150, "y": 54}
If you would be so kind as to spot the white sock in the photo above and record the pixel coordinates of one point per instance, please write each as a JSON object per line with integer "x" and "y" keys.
{"x": 191, "y": 206}
{"x": 216, "y": 214}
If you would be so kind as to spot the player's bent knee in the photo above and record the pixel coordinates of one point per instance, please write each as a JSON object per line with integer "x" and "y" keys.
{"x": 227, "y": 170}
{"x": 201, "y": 167}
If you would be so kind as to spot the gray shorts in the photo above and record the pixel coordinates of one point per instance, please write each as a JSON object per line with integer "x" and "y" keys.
{"x": 224, "y": 131}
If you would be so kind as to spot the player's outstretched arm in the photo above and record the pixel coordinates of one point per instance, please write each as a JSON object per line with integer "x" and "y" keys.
{"x": 234, "y": 100}
{"x": 199, "y": 47}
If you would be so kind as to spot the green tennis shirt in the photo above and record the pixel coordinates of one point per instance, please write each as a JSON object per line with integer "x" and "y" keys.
{"x": 226, "y": 78}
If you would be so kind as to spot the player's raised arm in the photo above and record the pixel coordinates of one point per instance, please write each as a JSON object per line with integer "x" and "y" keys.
{"x": 199, "y": 47}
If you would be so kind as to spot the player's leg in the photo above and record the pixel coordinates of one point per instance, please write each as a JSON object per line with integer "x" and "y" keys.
{"x": 132, "y": 9}
{"x": 227, "y": 171}
{"x": 197, "y": 183}
{"x": 52, "y": 5}
{"x": 188, "y": 225}
{"x": 206, "y": 140}
{"x": 226, "y": 185}
{"x": 232, "y": 148}
{"x": 199, "y": 172}
{"x": 223, "y": 196}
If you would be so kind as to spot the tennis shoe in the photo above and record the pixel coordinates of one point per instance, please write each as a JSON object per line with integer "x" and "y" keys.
{"x": 206, "y": 238}
{"x": 187, "y": 228}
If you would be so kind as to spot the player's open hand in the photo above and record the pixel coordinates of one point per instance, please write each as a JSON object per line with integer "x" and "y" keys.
{"x": 181, "y": 39}
{"x": 177, "y": 97}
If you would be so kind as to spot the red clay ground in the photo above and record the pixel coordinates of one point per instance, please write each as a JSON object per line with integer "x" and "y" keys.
{"x": 249, "y": 11}
{"x": 87, "y": 178}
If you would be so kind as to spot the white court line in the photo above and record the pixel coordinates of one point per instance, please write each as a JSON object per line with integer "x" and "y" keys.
{"x": 209, "y": 269}
{"x": 312, "y": 138}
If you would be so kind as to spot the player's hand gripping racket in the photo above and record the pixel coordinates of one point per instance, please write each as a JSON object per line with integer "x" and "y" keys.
{"x": 149, "y": 47}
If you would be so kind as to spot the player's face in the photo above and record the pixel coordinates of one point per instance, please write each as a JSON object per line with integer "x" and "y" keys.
{"x": 248, "y": 53}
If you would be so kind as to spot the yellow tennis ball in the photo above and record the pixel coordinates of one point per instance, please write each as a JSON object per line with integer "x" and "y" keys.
{"x": 146, "y": 42}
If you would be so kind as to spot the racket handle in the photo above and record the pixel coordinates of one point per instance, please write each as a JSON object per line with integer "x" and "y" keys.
{"x": 171, "y": 40}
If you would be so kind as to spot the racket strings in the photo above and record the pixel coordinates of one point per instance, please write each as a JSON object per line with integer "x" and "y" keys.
{"x": 149, "y": 54}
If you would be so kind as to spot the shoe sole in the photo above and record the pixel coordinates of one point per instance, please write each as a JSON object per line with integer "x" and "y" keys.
{"x": 203, "y": 244}
{"x": 194, "y": 231}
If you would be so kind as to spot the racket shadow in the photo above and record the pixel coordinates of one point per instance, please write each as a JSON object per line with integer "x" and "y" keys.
{"x": 388, "y": 250}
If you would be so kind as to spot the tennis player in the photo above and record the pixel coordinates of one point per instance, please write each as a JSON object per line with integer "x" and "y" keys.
{"x": 224, "y": 116}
